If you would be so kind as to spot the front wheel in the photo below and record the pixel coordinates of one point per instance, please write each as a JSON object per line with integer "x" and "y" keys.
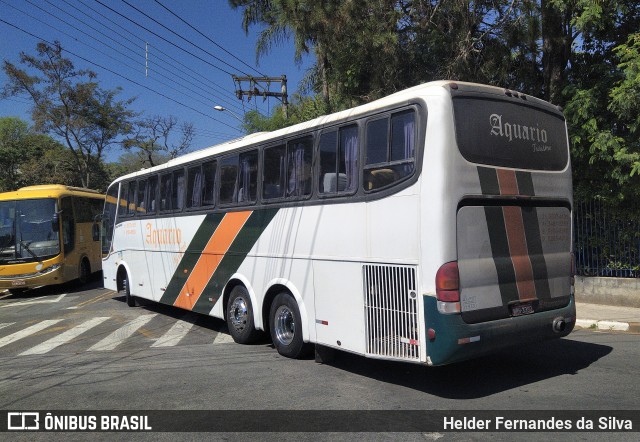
{"x": 131, "y": 301}
{"x": 285, "y": 326}
{"x": 240, "y": 316}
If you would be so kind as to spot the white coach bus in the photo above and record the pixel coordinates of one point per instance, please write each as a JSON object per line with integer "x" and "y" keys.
{"x": 430, "y": 226}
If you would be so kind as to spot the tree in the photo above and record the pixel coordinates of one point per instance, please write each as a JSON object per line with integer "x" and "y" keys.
{"x": 579, "y": 54}
{"x": 26, "y": 157}
{"x": 70, "y": 105}
{"x": 155, "y": 140}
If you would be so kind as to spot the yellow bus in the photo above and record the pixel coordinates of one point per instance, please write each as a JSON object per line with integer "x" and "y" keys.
{"x": 47, "y": 236}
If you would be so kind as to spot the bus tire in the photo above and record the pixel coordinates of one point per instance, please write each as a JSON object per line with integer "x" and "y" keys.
{"x": 131, "y": 300}
{"x": 285, "y": 326}
{"x": 85, "y": 271}
{"x": 240, "y": 316}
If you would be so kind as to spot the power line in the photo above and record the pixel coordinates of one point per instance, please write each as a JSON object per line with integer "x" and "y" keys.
{"x": 164, "y": 39}
{"x": 187, "y": 70}
{"x": 100, "y": 51}
{"x": 198, "y": 92}
{"x": 167, "y": 85}
{"x": 183, "y": 38}
{"x": 209, "y": 39}
{"x": 119, "y": 75}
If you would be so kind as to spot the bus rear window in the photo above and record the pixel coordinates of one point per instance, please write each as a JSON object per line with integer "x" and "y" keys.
{"x": 506, "y": 134}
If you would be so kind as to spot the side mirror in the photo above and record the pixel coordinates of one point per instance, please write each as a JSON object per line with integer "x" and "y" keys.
{"x": 95, "y": 230}
{"x": 55, "y": 222}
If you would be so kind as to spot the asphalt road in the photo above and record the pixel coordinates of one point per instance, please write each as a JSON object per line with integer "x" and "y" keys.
{"x": 95, "y": 353}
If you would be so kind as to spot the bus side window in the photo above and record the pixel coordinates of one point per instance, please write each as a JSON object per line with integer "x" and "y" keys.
{"x": 209, "y": 185}
{"x": 228, "y": 180}
{"x": 299, "y": 155}
{"x": 194, "y": 187}
{"x": 248, "y": 177}
{"x": 68, "y": 224}
{"x": 165, "y": 192}
{"x": 274, "y": 174}
{"x": 152, "y": 194}
{"x": 390, "y": 150}
{"x": 131, "y": 199}
{"x": 178, "y": 189}
{"x": 122, "y": 204}
{"x": 142, "y": 197}
{"x": 339, "y": 161}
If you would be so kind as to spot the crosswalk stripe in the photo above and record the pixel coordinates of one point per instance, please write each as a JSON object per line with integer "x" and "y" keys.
{"x": 223, "y": 338}
{"x": 118, "y": 336}
{"x": 64, "y": 337}
{"x": 28, "y": 331}
{"x": 174, "y": 335}
{"x": 6, "y": 324}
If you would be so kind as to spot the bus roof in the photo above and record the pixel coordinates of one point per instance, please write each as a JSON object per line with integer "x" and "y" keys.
{"x": 49, "y": 191}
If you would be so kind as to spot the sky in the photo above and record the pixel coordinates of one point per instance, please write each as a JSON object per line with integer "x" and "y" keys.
{"x": 177, "y": 60}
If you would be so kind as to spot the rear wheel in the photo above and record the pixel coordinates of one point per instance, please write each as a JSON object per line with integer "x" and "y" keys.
{"x": 285, "y": 326}
{"x": 85, "y": 271}
{"x": 240, "y": 316}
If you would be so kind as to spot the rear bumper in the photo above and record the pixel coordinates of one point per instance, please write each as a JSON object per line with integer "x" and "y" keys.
{"x": 456, "y": 340}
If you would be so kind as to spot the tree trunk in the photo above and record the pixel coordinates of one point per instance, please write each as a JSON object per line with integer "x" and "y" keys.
{"x": 554, "y": 53}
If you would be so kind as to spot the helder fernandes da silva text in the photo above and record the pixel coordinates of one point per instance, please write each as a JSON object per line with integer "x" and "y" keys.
{"x": 503, "y": 423}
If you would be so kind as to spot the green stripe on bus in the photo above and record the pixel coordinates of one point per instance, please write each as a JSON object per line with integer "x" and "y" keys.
{"x": 244, "y": 242}
{"x": 191, "y": 256}
{"x": 488, "y": 181}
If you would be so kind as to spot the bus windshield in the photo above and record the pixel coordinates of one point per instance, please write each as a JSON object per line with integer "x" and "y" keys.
{"x": 28, "y": 230}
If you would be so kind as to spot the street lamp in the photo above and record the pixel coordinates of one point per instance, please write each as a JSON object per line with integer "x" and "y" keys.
{"x": 223, "y": 109}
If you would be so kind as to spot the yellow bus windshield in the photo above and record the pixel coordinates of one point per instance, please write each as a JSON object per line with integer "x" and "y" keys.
{"x": 28, "y": 230}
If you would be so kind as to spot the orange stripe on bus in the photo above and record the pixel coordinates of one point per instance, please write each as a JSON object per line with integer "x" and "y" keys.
{"x": 507, "y": 182}
{"x": 211, "y": 256}
{"x": 519, "y": 252}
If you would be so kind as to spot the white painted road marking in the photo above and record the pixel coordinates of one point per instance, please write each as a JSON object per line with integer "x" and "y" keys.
{"x": 223, "y": 338}
{"x": 28, "y": 331}
{"x": 118, "y": 336}
{"x": 64, "y": 337}
{"x": 39, "y": 300}
{"x": 174, "y": 335}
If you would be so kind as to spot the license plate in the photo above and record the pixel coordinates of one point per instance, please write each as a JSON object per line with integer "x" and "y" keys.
{"x": 521, "y": 309}
{"x": 18, "y": 282}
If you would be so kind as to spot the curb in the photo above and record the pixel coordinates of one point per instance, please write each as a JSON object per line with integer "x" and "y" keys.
{"x": 600, "y": 325}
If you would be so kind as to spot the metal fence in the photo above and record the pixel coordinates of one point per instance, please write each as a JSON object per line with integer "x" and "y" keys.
{"x": 607, "y": 240}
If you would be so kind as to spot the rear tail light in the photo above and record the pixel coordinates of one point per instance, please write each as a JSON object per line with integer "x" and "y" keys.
{"x": 448, "y": 288}
{"x": 448, "y": 283}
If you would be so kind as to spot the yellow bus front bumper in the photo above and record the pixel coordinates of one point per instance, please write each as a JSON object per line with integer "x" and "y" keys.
{"x": 33, "y": 274}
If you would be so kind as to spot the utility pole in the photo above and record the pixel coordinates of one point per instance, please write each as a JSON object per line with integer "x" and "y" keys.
{"x": 253, "y": 91}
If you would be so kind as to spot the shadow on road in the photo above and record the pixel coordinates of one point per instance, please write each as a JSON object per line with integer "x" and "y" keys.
{"x": 95, "y": 282}
{"x": 484, "y": 376}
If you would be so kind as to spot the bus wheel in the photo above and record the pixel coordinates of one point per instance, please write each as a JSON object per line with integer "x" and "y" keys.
{"x": 240, "y": 316}
{"x": 131, "y": 301}
{"x": 285, "y": 326}
{"x": 85, "y": 271}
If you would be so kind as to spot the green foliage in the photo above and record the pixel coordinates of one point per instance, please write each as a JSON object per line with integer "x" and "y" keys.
{"x": 28, "y": 158}
{"x": 69, "y": 104}
{"x": 580, "y": 54}
{"x": 300, "y": 109}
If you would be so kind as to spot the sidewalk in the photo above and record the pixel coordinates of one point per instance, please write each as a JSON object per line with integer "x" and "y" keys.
{"x": 607, "y": 317}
